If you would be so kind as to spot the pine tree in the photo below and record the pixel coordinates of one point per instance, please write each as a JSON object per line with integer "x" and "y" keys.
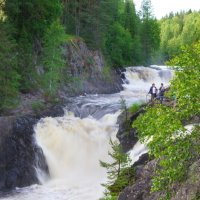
{"x": 117, "y": 179}
{"x": 131, "y": 23}
{"x": 150, "y": 32}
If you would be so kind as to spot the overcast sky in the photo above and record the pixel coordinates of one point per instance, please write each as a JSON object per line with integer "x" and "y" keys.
{"x": 163, "y": 7}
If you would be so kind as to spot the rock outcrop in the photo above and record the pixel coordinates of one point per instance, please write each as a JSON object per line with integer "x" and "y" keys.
{"x": 126, "y": 134}
{"x": 140, "y": 190}
{"x": 88, "y": 69}
{"x": 19, "y": 153}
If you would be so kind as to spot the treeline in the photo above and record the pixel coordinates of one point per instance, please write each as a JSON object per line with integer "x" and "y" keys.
{"x": 32, "y": 34}
{"x": 114, "y": 27}
{"x": 30, "y": 48}
{"x": 178, "y": 30}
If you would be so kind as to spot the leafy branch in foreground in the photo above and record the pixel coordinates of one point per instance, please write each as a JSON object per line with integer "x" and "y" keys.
{"x": 162, "y": 129}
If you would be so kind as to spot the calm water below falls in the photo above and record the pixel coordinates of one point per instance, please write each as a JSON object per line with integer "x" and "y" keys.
{"x": 74, "y": 144}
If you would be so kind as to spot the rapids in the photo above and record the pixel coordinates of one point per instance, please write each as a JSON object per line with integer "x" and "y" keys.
{"x": 74, "y": 144}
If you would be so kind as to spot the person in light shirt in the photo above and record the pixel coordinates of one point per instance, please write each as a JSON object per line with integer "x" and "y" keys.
{"x": 153, "y": 91}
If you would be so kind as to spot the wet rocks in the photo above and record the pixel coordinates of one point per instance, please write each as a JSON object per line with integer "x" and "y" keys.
{"x": 140, "y": 190}
{"x": 126, "y": 134}
{"x": 19, "y": 153}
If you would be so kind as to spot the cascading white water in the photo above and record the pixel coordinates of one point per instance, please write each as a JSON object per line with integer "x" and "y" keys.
{"x": 141, "y": 78}
{"x": 73, "y": 146}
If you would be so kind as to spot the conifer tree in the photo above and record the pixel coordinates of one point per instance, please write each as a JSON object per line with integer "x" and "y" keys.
{"x": 150, "y": 32}
{"x": 116, "y": 179}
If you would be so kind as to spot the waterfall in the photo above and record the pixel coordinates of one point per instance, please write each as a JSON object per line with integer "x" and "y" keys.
{"x": 73, "y": 148}
{"x": 139, "y": 79}
{"x": 74, "y": 144}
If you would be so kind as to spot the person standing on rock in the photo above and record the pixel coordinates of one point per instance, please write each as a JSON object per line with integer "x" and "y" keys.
{"x": 161, "y": 92}
{"x": 153, "y": 91}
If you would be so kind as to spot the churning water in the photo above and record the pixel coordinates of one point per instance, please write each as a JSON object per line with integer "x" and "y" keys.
{"x": 74, "y": 144}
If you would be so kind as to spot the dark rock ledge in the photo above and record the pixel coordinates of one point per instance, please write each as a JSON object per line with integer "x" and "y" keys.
{"x": 19, "y": 153}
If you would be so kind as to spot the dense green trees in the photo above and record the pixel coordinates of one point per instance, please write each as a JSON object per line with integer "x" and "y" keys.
{"x": 9, "y": 78}
{"x": 177, "y": 30}
{"x": 112, "y": 26}
{"x": 150, "y": 38}
{"x": 52, "y": 60}
{"x": 32, "y": 23}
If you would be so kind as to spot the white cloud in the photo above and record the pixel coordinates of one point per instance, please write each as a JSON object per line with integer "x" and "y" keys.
{"x": 163, "y": 7}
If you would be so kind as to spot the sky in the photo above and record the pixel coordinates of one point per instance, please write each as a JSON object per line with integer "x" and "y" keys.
{"x": 163, "y": 7}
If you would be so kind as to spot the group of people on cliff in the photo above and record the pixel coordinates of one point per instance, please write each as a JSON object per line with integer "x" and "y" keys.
{"x": 157, "y": 93}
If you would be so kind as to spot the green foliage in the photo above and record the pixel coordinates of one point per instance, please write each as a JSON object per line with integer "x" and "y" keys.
{"x": 118, "y": 172}
{"x": 112, "y": 26}
{"x": 134, "y": 108}
{"x": 52, "y": 58}
{"x": 150, "y": 33}
{"x": 25, "y": 65}
{"x": 32, "y": 16}
{"x": 187, "y": 83}
{"x": 108, "y": 25}
{"x": 178, "y": 30}
{"x": 161, "y": 127}
{"x": 119, "y": 45}
{"x": 37, "y": 106}
{"x": 2, "y": 14}
{"x": 9, "y": 78}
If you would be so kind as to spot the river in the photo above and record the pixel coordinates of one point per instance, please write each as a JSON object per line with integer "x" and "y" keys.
{"x": 74, "y": 144}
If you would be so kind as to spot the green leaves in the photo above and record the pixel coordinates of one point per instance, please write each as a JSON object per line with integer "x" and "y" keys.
{"x": 176, "y": 31}
{"x": 161, "y": 128}
{"x": 9, "y": 78}
{"x": 187, "y": 81}
{"x": 52, "y": 57}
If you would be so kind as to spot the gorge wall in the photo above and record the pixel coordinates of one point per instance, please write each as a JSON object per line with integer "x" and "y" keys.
{"x": 89, "y": 71}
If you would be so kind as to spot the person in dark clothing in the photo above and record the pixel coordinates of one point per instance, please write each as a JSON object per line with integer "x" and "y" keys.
{"x": 153, "y": 91}
{"x": 161, "y": 92}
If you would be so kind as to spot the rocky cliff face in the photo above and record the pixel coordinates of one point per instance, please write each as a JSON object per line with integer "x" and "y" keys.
{"x": 89, "y": 71}
{"x": 126, "y": 134}
{"x": 141, "y": 189}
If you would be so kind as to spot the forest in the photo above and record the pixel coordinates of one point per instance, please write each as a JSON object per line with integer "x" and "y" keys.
{"x": 33, "y": 38}
{"x": 34, "y": 32}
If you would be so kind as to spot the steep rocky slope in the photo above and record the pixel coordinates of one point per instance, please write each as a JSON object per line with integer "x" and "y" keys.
{"x": 89, "y": 71}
